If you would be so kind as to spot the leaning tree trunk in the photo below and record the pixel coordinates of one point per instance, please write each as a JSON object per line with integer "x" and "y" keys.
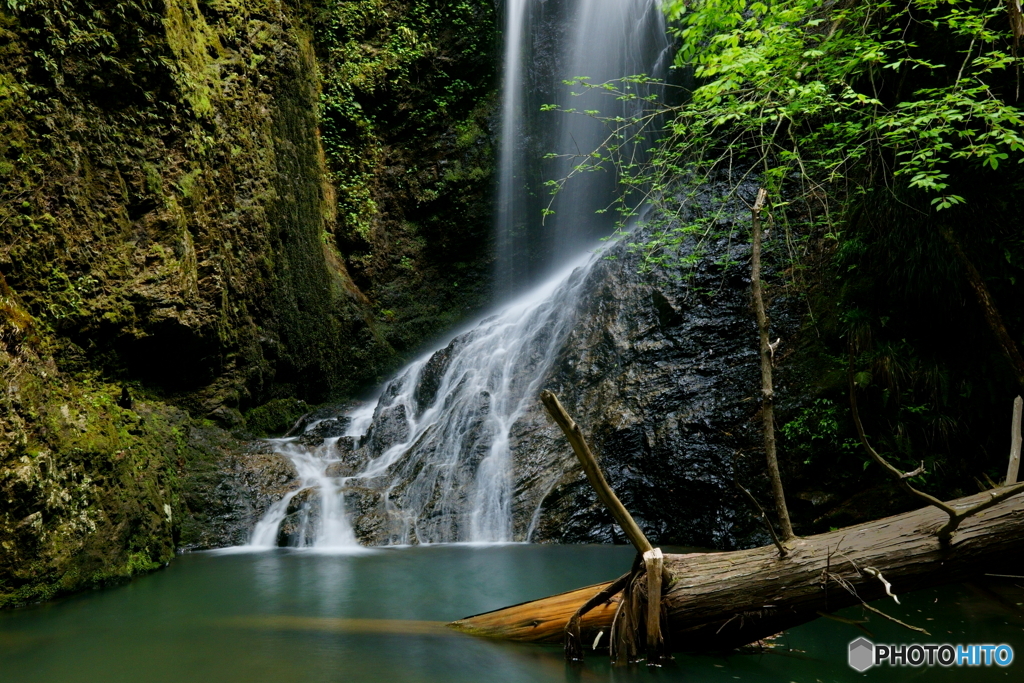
{"x": 723, "y": 600}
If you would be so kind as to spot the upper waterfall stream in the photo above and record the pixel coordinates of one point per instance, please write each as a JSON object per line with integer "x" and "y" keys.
{"x": 437, "y": 449}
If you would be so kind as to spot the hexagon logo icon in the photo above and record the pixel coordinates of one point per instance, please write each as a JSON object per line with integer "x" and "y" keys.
{"x": 862, "y": 654}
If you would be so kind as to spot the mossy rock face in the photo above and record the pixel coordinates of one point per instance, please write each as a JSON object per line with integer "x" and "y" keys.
{"x": 90, "y": 487}
{"x": 176, "y": 246}
{"x": 408, "y": 107}
{"x": 276, "y": 417}
{"x": 173, "y": 215}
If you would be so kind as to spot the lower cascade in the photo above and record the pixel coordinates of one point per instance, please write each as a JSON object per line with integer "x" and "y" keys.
{"x": 432, "y": 457}
{"x": 331, "y": 528}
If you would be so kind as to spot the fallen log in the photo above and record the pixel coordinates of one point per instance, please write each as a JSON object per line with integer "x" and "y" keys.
{"x": 709, "y": 601}
{"x": 626, "y": 626}
{"x": 544, "y": 620}
{"x": 717, "y": 601}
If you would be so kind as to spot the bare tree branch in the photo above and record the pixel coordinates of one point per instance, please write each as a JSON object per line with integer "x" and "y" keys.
{"x": 764, "y": 516}
{"x": 945, "y": 533}
{"x": 767, "y": 390}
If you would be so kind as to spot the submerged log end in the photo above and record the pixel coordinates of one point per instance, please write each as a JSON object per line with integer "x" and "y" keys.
{"x": 540, "y": 621}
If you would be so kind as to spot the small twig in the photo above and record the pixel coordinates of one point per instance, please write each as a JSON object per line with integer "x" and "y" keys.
{"x": 874, "y": 455}
{"x": 764, "y": 516}
{"x": 850, "y": 560}
{"x": 859, "y": 624}
{"x": 853, "y": 591}
{"x": 894, "y": 619}
{"x": 843, "y": 583}
{"x": 295, "y": 427}
{"x": 914, "y": 473}
{"x": 728, "y": 621}
{"x": 828, "y": 567}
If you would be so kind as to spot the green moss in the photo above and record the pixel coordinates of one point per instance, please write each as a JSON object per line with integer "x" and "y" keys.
{"x": 408, "y": 98}
{"x": 190, "y": 211}
{"x": 91, "y": 489}
{"x": 276, "y": 417}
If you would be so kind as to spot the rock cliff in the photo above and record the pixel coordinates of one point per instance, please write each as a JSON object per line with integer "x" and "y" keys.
{"x": 201, "y": 222}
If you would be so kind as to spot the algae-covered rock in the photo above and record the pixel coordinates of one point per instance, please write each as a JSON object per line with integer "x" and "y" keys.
{"x": 276, "y": 417}
{"x": 90, "y": 491}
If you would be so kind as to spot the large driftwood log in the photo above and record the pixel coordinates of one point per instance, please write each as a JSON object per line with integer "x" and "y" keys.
{"x": 724, "y": 600}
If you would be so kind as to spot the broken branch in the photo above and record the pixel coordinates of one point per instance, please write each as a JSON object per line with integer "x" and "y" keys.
{"x": 594, "y": 475}
{"x": 573, "y": 642}
{"x": 1015, "y": 439}
{"x": 764, "y": 516}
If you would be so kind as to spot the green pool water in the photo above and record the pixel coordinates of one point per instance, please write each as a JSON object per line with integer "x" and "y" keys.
{"x": 283, "y": 616}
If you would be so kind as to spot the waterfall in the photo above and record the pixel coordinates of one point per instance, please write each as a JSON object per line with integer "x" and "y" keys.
{"x": 546, "y": 44}
{"x": 512, "y": 209}
{"x": 434, "y": 454}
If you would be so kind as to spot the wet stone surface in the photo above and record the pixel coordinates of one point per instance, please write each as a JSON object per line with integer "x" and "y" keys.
{"x": 661, "y": 371}
{"x": 228, "y": 501}
{"x": 662, "y": 374}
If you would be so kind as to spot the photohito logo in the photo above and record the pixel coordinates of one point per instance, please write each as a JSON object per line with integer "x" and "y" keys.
{"x": 864, "y": 654}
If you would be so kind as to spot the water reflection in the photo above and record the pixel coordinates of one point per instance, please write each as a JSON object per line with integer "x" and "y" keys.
{"x": 284, "y": 615}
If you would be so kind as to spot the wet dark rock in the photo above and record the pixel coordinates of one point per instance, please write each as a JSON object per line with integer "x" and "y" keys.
{"x": 662, "y": 374}
{"x": 349, "y": 459}
{"x": 389, "y": 427}
{"x": 302, "y": 519}
{"x": 322, "y": 422}
{"x": 364, "y": 505}
{"x": 329, "y": 428}
{"x": 432, "y": 374}
{"x": 228, "y": 495}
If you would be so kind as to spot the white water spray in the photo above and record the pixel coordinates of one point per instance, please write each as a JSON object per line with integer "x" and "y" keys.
{"x": 332, "y": 529}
